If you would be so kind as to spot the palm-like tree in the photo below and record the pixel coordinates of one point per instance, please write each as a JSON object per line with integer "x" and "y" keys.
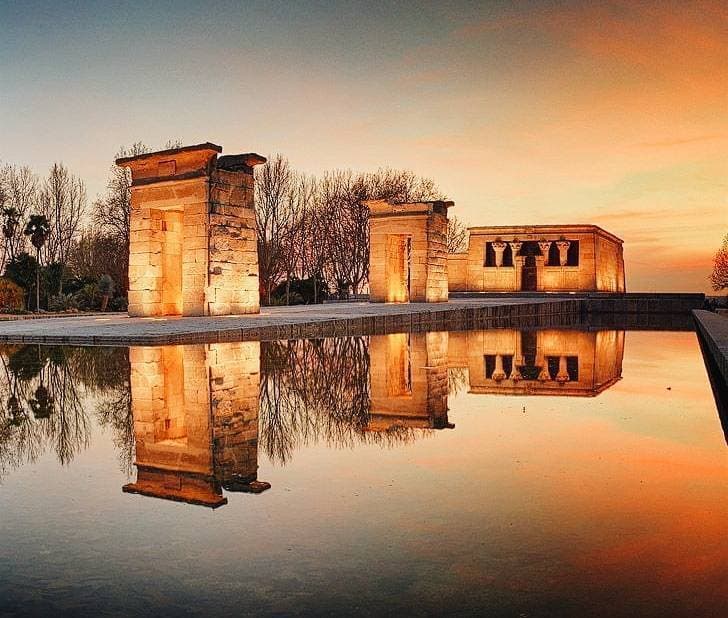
{"x": 11, "y": 220}
{"x": 39, "y": 230}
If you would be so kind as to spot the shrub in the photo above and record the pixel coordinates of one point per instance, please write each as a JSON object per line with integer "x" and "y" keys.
{"x": 300, "y": 292}
{"x": 88, "y": 297}
{"x": 21, "y": 270}
{"x": 12, "y": 296}
{"x": 119, "y": 303}
{"x": 62, "y": 302}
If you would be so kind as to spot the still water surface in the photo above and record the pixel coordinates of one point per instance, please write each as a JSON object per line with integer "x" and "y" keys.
{"x": 545, "y": 472}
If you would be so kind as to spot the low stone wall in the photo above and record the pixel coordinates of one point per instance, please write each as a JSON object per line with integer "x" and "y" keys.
{"x": 713, "y": 331}
{"x": 645, "y": 303}
{"x": 600, "y": 302}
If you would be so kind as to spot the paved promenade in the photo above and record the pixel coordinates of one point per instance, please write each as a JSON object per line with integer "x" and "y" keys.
{"x": 283, "y": 322}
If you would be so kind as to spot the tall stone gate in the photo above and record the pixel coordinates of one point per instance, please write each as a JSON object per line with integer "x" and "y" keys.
{"x": 193, "y": 248}
{"x": 408, "y": 252}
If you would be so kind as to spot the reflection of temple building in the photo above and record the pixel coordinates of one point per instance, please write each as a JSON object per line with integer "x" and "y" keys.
{"x": 409, "y": 381}
{"x": 539, "y": 362}
{"x": 195, "y": 411}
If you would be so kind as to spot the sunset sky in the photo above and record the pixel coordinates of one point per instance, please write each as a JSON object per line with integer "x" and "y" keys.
{"x": 614, "y": 113}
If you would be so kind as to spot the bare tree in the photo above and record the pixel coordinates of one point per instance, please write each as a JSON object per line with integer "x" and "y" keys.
{"x": 719, "y": 276}
{"x": 20, "y": 186}
{"x": 342, "y": 199}
{"x": 457, "y": 235}
{"x": 63, "y": 202}
{"x": 273, "y": 183}
{"x": 111, "y": 210}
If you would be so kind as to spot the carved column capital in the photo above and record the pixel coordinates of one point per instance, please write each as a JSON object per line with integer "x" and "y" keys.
{"x": 544, "y": 246}
{"x": 515, "y": 246}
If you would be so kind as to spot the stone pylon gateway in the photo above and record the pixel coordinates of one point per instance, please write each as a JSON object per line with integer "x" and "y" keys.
{"x": 193, "y": 248}
{"x": 408, "y": 251}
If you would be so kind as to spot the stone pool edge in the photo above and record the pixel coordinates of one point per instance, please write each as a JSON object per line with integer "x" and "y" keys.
{"x": 713, "y": 329}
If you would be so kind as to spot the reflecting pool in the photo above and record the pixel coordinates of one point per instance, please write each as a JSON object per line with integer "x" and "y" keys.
{"x": 534, "y": 472}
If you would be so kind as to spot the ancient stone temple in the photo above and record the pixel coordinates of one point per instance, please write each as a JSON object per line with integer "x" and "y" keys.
{"x": 539, "y": 258}
{"x": 195, "y": 410}
{"x": 408, "y": 251}
{"x": 193, "y": 248}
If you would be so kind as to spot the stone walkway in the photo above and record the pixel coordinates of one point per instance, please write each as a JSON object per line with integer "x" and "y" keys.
{"x": 282, "y": 322}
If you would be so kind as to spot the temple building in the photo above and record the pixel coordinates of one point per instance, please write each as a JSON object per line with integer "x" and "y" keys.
{"x": 408, "y": 251}
{"x": 195, "y": 411}
{"x": 193, "y": 248}
{"x": 539, "y": 258}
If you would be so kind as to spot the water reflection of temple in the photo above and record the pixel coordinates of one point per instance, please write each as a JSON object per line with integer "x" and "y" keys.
{"x": 196, "y": 407}
{"x": 409, "y": 381}
{"x": 195, "y": 410}
{"x": 539, "y": 362}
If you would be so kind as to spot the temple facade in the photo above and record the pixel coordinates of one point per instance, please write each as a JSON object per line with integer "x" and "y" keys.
{"x": 193, "y": 248}
{"x": 538, "y": 258}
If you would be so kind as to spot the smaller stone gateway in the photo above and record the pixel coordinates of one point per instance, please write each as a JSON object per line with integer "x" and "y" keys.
{"x": 408, "y": 251}
{"x": 193, "y": 246}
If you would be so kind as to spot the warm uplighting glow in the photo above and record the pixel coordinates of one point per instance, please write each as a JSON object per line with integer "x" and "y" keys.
{"x": 611, "y": 113}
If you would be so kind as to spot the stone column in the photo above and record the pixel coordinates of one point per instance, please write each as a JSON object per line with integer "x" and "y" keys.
{"x": 498, "y": 247}
{"x": 544, "y": 246}
{"x": 498, "y": 373}
{"x": 562, "y": 377}
{"x": 563, "y": 246}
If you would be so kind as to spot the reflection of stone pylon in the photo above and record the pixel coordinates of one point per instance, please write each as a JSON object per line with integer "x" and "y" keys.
{"x": 195, "y": 411}
{"x": 409, "y": 381}
{"x": 234, "y": 391}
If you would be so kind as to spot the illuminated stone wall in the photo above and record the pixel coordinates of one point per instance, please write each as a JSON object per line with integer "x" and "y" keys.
{"x": 600, "y": 267}
{"x": 195, "y": 410}
{"x": 408, "y": 252}
{"x": 193, "y": 248}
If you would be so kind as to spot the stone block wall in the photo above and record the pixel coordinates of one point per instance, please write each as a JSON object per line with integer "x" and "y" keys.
{"x": 572, "y": 278}
{"x": 233, "y": 287}
{"x": 609, "y": 265}
{"x": 457, "y": 272}
{"x": 436, "y": 267}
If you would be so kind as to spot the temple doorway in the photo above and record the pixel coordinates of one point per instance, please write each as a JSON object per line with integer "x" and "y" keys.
{"x": 529, "y": 278}
{"x": 398, "y": 267}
